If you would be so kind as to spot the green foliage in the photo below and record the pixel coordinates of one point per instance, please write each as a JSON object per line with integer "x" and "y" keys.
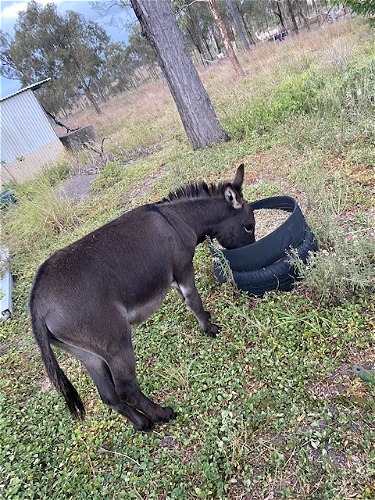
{"x": 342, "y": 270}
{"x": 40, "y": 213}
{"x": 57, "y": 173}
{"x": 362, "y": 7}
{"x": 291, "y": 97}
{"x": 66, "y": 48}
{"x": 109, "y": 176}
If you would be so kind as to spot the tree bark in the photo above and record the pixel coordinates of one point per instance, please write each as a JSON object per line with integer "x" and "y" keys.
{"x": 159, "y": 26}
{"x": 280, "y": 15}
{"x": 291, "y": 15}
{"x": 197, "y": 44}
{"x": 237, "y": 23}
{"x": 247, "y": 29}
{"x": 224, "y": 34}
{"x": 92, "y": 99}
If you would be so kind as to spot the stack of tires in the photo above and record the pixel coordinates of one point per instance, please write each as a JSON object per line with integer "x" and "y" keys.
{"x": 266, "y": 264}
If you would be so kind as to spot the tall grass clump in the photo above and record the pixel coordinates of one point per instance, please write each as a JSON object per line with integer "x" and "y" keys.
{"x": 348, "y": 94}
{"x": 342, "y": 111}
{"x": 57, "y": 173}
{"x": 39, "y": 215}
{"x": 335, "y": 103}
{"x": 323, "y": 115}
{"x": 109, "y": 176}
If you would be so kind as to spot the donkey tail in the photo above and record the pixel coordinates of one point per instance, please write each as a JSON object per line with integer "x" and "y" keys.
{"x": 54, "y": 372}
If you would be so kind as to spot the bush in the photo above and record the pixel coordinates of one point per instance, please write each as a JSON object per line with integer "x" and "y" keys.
{"x": 341, "y": 271}
{"x": 292, "y": 97}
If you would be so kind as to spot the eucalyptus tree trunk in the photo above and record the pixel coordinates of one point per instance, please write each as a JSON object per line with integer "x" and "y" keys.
{"x": 160, "y": 28}
{"x": 279, "y": 14}
{"x": 224, "y": 34}
{"x": 91, "y": 98}
{"x": 291, "y": 15}
{"x": 248, "y": 29}
{"x": 237, "y": 23}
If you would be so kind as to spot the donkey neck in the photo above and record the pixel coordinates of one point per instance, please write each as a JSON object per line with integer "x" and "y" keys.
{"x": 201, "y": 214}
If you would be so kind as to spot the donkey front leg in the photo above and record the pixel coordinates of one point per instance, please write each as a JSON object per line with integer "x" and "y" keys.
{"x": 185, "y": 284}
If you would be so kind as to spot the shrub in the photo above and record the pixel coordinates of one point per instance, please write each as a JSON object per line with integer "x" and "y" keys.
{"x": 289, "y": 98}
{"x": 343, "y": 271}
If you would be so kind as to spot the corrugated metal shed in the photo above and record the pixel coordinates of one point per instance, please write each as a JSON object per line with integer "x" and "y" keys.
{"x": 28, "y": 141}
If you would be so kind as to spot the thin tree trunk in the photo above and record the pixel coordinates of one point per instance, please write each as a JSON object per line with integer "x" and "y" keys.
{"x": 291, "y": 15}
{"x": 198, "y": 45}
{"x": 224, "y": 34}
{"x": 92, "y": 99}
{"x": 216, "y": 42}
{"x": 197, "y": 114}
{"x": 303, "y": 15}
{"x": 280, "y": 15}
{"x": 64, "y": 113}
{"x": 101, "y": 91}
{"x": 248, "y": 30}
{"x": 237, "y": 23}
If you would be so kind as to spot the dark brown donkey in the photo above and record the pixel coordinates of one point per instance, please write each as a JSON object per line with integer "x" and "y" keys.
{"x": 86, "y": 296}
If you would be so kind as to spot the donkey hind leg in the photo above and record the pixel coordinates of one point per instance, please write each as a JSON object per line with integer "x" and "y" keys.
{"x": 102, "y": 378}
{"x": 185, "y": 284}
{"x": 122, "y": 366}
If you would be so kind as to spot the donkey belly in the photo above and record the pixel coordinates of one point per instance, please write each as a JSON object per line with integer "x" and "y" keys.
{"x": 140, "y": 312}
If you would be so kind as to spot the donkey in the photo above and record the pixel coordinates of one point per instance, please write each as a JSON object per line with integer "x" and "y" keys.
{"x": 86, "y": 296}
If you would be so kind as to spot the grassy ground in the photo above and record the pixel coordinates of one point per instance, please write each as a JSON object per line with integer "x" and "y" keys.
{"x": 270, "y": 409}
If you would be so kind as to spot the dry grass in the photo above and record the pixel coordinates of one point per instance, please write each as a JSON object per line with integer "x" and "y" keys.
{"x": 39, "y": 215}
{"x": 141, "y": 118}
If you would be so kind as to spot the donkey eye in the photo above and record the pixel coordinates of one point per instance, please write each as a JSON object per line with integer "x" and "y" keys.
{"x": 249, "y": 229}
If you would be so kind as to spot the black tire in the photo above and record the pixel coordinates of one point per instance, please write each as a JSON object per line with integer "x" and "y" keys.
{"x": 280, "y": 275}
{"x": 272, "y": 247}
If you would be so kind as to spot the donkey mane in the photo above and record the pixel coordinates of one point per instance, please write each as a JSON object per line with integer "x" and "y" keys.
{"x": 195, "y": 190}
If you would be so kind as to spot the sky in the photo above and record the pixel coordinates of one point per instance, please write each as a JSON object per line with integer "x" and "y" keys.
{"x": 9, "y": 15}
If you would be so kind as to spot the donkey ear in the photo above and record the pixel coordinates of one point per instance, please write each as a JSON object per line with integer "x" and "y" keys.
{"x": 233, "y": 197}
{"x": 238, "y": 178}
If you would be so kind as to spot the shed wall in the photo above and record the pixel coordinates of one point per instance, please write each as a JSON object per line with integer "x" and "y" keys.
{"x": 33, "y": 163}
{"x": 26, "y": 135}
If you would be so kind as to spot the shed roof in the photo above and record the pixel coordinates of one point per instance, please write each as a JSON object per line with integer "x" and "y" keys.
{"x": 33, "y": 86}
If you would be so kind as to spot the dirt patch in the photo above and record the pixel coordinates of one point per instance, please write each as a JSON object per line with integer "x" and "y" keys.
{"x": 343, "y": 382}
{"x": 76, "y": 188}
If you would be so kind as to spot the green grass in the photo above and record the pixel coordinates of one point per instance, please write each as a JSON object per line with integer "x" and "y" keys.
{"x": 269, "y": 409}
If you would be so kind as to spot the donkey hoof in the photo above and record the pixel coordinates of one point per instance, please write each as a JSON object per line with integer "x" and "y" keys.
{"x": 168, "y": 414}
{"x": 145, "y": 425}
{"x": 172, "y": 414}
{"x": 212, "y": 330}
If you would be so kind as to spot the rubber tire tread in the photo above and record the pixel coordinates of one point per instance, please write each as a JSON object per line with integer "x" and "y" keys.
{"x": 280, "y": 275}
{"x": 272, "y": 247}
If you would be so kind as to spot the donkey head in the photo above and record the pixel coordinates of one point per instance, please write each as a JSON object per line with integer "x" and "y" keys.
{"x": 237, "y": 230}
